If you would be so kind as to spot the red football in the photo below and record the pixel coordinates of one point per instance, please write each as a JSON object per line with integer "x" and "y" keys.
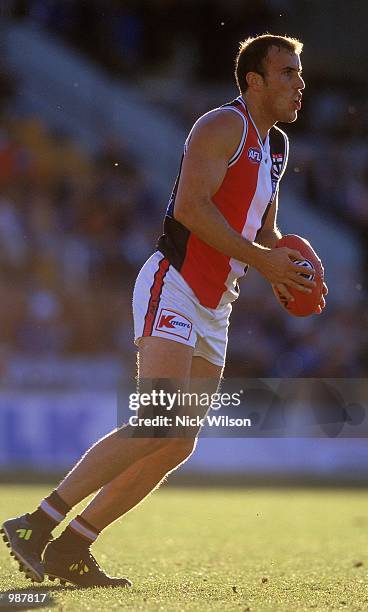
{"x": 305, "y": 304}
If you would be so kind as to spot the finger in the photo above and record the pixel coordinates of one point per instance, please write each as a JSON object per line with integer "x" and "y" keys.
{"x": 281, "y": 288}
{"x": 301, "y": 269}
{"x": 324, "y": 289}
{"x": 322, "y": 303}
{"x": 293, "y": 254}
{"x": 301, "y": 280}
{"x": 298, "y": 286}
{"x": 318, "y": 310}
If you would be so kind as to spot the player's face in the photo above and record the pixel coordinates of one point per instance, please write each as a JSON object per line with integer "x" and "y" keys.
{"x": 283, "y": 85}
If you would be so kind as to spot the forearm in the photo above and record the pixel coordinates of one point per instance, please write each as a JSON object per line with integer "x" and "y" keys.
{"x": 207, "y": 222}
{"x": 276, "y": 265}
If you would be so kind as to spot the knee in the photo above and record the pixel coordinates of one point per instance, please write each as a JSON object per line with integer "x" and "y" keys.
{"x": 178, "y": 450}
{"x": 141, "y": 447}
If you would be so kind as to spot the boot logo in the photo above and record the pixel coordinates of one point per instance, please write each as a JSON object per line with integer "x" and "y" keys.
{"x": 24, "y": 534}
{"x": 79, "y": 567}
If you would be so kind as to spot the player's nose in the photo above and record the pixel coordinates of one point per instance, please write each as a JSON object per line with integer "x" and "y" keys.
{"x": 300, "y": 83}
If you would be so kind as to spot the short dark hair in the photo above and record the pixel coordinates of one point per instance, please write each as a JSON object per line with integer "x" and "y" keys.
{"x": 253, "y": 51}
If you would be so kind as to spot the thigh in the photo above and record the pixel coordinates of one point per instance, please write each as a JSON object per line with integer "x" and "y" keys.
{"x": 205, "y": 374}
{"x": 202, "y": 368}
{"x": 166, "y": 364}
{"x": 169, "y": 366}
{"x": 164, "y": 368}
{"x": 205, "y": 380}
{"x": 161, "y": 358}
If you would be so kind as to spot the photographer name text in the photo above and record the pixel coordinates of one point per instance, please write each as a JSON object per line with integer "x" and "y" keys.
{"x": 187, "y": 421}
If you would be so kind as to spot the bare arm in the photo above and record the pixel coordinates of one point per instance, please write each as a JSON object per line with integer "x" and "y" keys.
{"x": 214, "y": 140}
{"x": 270, "y": 234}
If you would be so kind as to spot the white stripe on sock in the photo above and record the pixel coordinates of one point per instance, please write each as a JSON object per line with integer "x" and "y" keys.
{"x": 50, "y": 510}
{"x": 83, "y": 530}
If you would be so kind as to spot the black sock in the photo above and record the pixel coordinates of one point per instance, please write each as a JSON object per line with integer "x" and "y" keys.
{"x": 51, "y": 511}
{"x": 78, "y": 534}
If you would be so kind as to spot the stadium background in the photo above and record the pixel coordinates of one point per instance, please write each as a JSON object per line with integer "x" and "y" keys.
{"x": 96, "y": 99}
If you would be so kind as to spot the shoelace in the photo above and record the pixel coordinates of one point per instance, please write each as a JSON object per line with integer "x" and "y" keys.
{"x": 42, "y": 541}
{"x": 94, "y": 562}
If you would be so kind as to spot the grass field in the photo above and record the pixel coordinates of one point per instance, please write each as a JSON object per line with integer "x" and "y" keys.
{"x": 222, "y": 549}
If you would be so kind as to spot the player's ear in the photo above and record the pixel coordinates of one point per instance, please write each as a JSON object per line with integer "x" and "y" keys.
{"x": 254, "y": 80}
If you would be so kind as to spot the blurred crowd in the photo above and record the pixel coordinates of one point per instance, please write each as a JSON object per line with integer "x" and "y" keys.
{"x": 72, "y": 234}
{"x": 150, "y": 38}
{"x": 74, "y": 231}
{"x": 154, "y": 35}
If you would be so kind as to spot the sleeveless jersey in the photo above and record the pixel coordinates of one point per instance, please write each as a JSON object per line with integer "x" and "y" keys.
{"x": 244, "y": 198}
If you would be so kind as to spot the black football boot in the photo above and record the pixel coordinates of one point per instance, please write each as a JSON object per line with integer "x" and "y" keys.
{"x": 79, "y": 567}
{"x": 26, "y": 542}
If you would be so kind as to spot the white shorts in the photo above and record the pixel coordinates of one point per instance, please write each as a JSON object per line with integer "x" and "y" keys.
{"x": 165, "y": 306}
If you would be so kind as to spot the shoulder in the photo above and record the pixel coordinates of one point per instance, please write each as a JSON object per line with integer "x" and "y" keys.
{"x": 219, "y": 129}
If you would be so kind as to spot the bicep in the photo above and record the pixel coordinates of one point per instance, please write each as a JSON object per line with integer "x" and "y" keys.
{"x": 201, "y": 175}
{"x": 206, "y": 160}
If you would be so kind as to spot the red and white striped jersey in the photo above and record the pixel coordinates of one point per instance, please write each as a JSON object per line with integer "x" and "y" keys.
{"x": 244, "y": 197}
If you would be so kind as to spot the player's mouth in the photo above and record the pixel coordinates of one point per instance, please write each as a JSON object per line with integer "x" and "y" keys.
{"x": 297, "y": 103}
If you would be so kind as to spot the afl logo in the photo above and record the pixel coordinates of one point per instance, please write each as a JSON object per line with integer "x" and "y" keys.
{"x": 255, "y": 155}
{"x": 308, "y": 266}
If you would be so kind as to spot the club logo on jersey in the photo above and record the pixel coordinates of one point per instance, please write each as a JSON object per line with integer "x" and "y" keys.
{"x": 305, "y": 264}
{"x": 174, "y": 323}
{"x": 255, "y": 155}
{"x": 277, "y": 163}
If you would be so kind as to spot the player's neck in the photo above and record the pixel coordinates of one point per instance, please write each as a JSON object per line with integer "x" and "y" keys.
{"x": 262, "y": 121}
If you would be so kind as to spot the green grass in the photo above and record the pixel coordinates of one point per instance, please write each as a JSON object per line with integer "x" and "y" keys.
{"x": 222, "y": 549}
